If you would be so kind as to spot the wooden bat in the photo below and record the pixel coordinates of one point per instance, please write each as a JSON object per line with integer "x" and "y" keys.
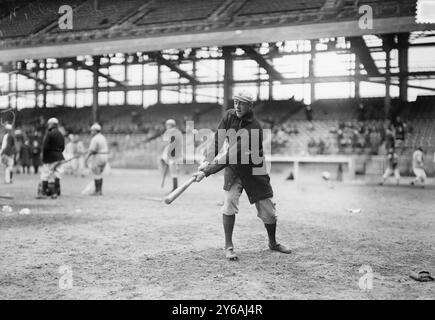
{"x": 6, "y": 196}
{"x": 177, "y": 192}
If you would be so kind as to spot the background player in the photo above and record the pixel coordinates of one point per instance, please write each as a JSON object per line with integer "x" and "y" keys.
{"x": 418, "y": 167}
{"x": 98, "y": 153}
{"x": 52, "y": 155}
{"x": 172, "y": 151}
{"x": 392, "y": 167}
{"x": 7, "y": 153}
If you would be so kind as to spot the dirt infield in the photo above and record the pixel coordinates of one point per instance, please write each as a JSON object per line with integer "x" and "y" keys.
{"x": 129, "y": 245}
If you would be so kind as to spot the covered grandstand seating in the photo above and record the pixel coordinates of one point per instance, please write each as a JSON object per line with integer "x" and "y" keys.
{"x": 109, "y": 12}
{"x": 253, "y": 7}
{"x": 165, "y": 11}
{"x": 137, "y": 18}
{"x": 31, "y": 18}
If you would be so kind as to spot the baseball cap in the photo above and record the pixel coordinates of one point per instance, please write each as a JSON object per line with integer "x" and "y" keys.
{"x": 244, "y": 96}
{"x": 53, "y": 121}
{"x": 170, "y": 122}
{"x": 96, "y": 127}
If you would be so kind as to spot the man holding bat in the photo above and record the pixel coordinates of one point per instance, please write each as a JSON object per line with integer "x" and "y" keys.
{"x": 239, "y": 175}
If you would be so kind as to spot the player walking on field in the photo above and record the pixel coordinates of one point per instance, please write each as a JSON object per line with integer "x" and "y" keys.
{"x": 240, "y": 176}
{"x": 7, "y": 153}
{"x": 392, "y": 167}
{"x": 418, "y": 167}
{"x": 98, "y": 153}
{"x": 52, "y": 157}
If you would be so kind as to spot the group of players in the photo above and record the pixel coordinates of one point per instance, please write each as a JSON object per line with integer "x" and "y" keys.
{"x": 238, "y": 177}
{"x": 392, "y": 167}
{"x": 53, "y": 159}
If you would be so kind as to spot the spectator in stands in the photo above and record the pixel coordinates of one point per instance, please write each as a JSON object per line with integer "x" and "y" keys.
{"x": 295, "y": 129}
{"x": 366, "y": 138}
{"x": 309, "y": 116}
{"x": 361, "y": 116}
{"x": 399, "y": 129}
{"x": 270, "y": 121}
{"x": 374, "y": 141}
{"x": 340, "y": 140}
{"x": 25, "y": 155}
{"x": 36, "y": 155}
{"x": 321, "y": 146}
{"x": 196, "y": 115}
{"x": 355, "y": 139}
{"x": 311, "y": 146}
{"x": 389, "y": 137}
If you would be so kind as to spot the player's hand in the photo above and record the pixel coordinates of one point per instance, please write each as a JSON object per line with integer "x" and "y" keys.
{"x": 203, "y": 165}
{"x": 199, "y": 176}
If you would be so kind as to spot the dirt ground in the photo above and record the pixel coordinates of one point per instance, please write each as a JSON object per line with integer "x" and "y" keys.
{"x": 128, "y": 245}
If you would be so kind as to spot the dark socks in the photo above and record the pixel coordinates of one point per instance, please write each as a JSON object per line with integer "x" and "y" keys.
{"x": 44, "y": 188}
{"x": 57, "y": 186}
{"x": 174, "y": 183}
{"x": 271, "y": 232}
{"x": 228, "y": 222}
{"x": 98, "y": 185}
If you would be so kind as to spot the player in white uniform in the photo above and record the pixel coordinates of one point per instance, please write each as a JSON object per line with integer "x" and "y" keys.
{"x": 7, "y": 153}
{"x": 172, "y": 152}
{"x": 98, "y": 153}
{"x": 418, "y": 167}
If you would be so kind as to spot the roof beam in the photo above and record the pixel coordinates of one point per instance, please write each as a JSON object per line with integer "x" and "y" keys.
{"x": 32, "y": 76}
{"x": 81, "y": 65}
{"x": 158, "y": 56}
{"x": 360, "y": 48}
{"x": 254, "y": 55}
{"x": 209, "y": 38}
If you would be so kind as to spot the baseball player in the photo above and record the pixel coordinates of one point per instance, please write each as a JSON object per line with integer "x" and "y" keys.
{"x": 240, "y": 176}
{"x": 7, "y": 153}
{"x": 52, "y": 157}
{"x": 392, "y": 167}
{"x": 172, "y": 151}
{"x": 98, "y": 153}
{"x": 418, "y": 167}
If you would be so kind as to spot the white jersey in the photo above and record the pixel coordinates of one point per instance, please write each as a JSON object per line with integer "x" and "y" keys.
{"x": 417, "y": 159}
{"x": 4, "y": 143}
{"x": 99, "y": 148}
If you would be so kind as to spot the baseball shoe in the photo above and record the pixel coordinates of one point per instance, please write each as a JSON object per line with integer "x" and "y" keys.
{"x": 280, "y": 248}
{"x": 230, "y": 254}
{"x": 96, "y": 193}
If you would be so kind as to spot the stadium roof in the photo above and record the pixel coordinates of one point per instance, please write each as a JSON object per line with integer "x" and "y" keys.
{"x": 30, "y": 30}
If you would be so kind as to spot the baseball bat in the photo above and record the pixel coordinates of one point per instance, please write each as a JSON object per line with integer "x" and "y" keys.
{"x": 177, "y": 192}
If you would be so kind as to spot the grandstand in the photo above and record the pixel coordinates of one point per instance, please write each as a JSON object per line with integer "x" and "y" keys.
{"x": 131, "y": 67}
